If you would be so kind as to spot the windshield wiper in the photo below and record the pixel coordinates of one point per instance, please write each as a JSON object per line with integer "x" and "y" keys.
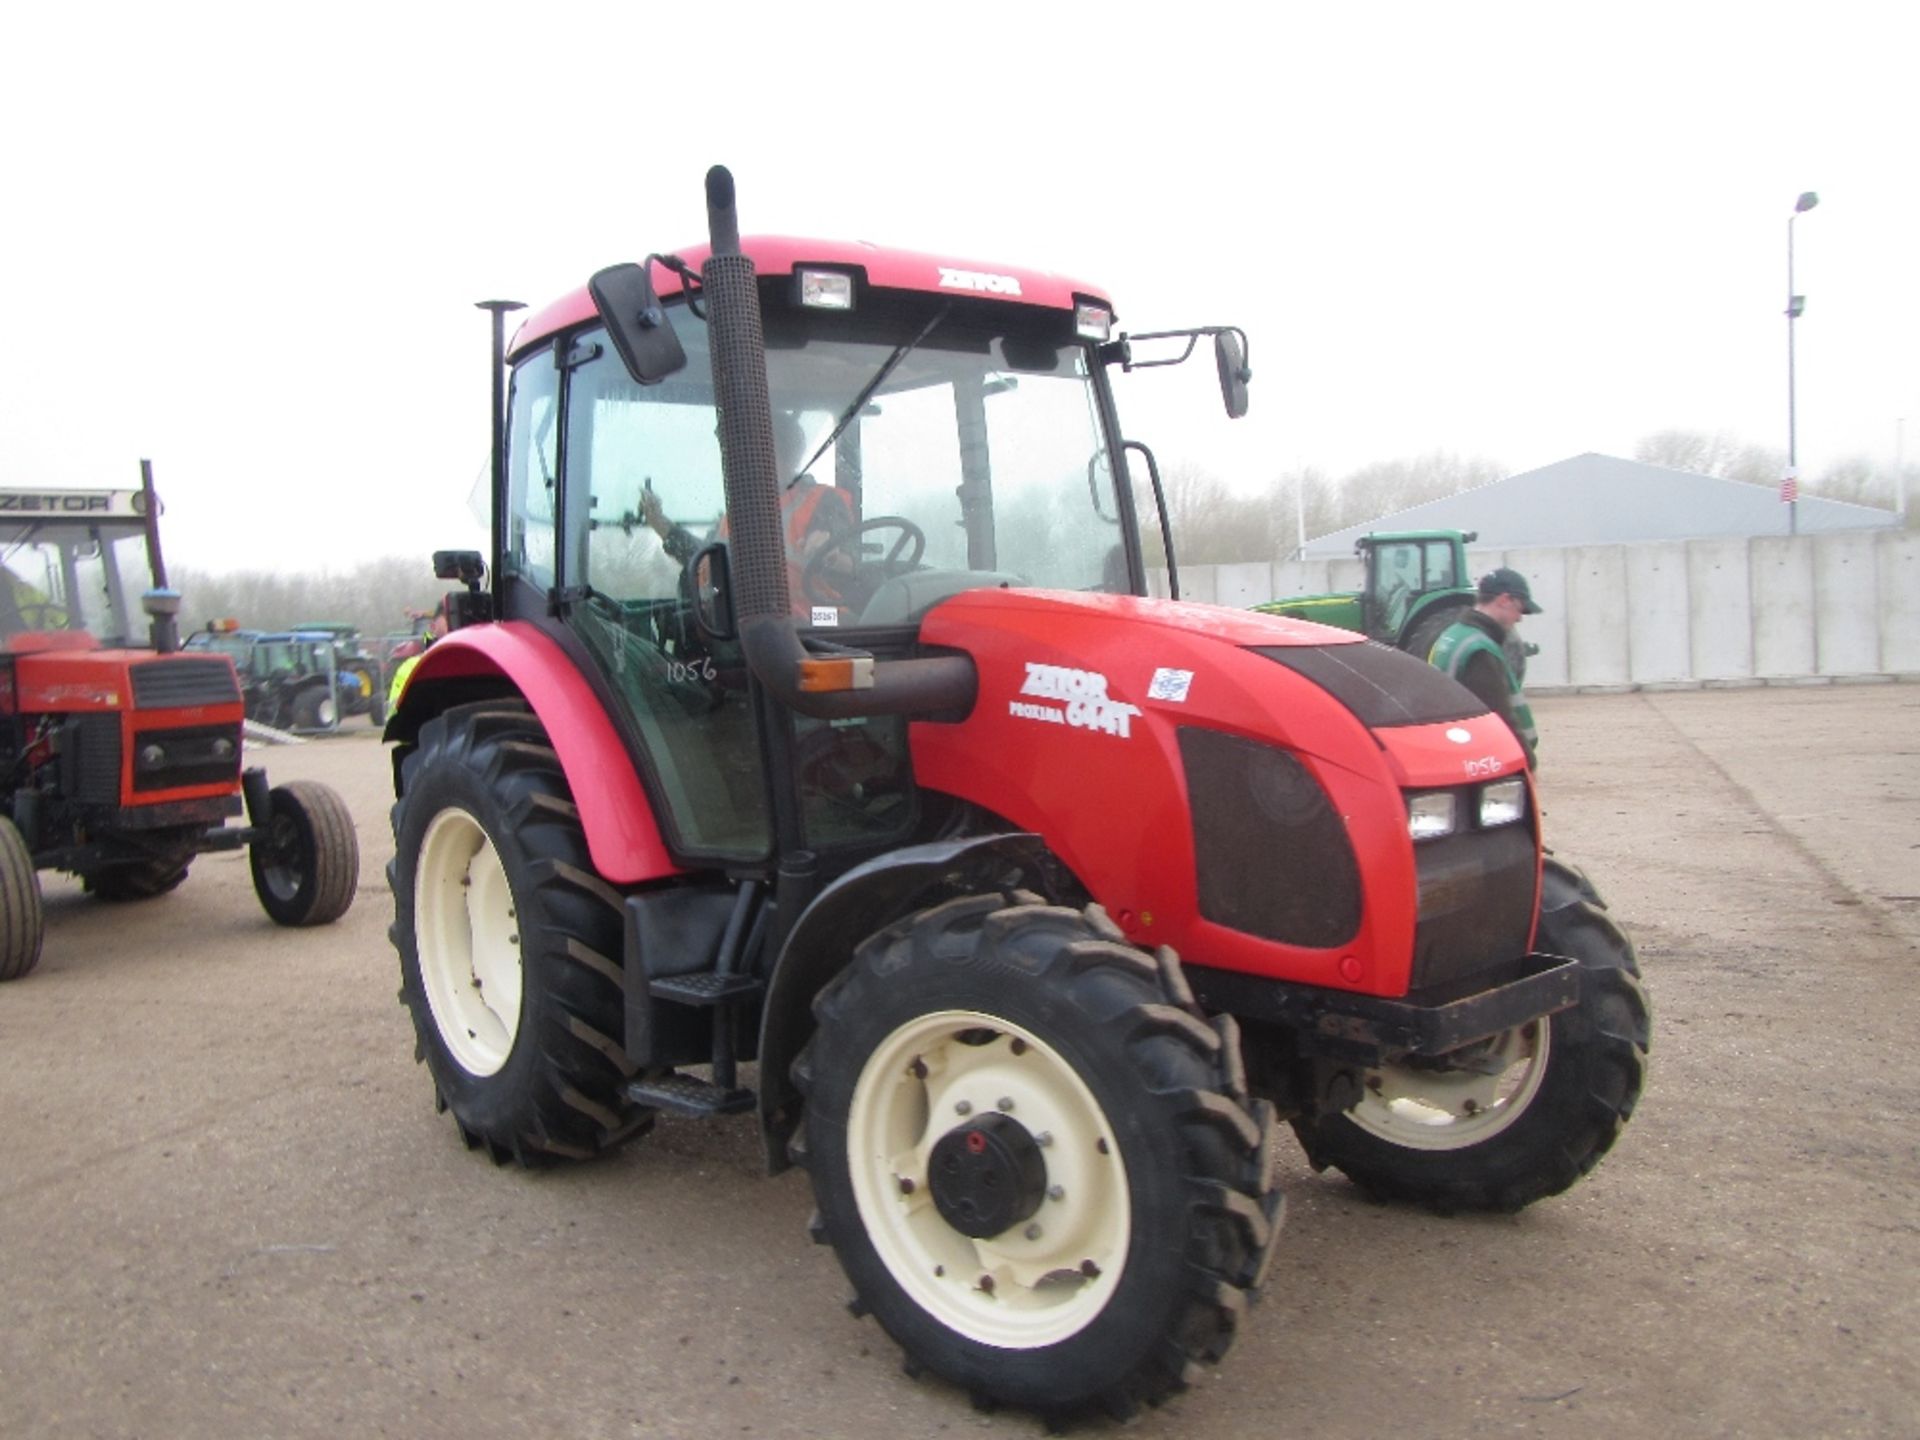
{"x": 867, "y": 393}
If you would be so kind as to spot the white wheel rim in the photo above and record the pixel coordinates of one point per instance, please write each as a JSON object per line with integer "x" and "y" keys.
{"x": 1452, "y": 1109}
{"x": 1049, "y": 1274}
{"x": 467, "y": 935}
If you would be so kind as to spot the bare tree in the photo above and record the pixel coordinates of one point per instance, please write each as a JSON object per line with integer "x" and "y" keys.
{"x": 374, "y": 595}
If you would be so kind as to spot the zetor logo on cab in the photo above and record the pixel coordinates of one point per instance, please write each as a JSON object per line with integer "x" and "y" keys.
{"x": 951, "y": 279}
{"x": 1085, "y": 693}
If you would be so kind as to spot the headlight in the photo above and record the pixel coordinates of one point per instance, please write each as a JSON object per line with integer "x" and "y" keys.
{"x": 825, "y": 289}
{"x": 151, "y": 757}
{"x": 1430, "y": 815}
{"x": 1092, "y": 322}
{"x": 1502, "y": 803}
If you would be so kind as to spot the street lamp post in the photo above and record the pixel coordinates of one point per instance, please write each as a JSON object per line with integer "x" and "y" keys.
{"x": 1790, "y": 489}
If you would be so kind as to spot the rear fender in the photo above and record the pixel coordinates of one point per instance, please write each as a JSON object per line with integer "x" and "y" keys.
{"x": 853, "y": 907}
{"x": 622, "y": 835}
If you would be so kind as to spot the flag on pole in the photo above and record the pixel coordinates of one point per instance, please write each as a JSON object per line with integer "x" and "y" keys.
{"x": 1790, "y": 487}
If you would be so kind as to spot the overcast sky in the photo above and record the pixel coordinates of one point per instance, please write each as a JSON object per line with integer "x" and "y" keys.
{"x": 245, "y": 242}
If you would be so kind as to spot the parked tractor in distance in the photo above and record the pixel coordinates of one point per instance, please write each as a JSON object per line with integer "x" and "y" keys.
{"x": 846, "y": 739}
{"x": 1417, "y": 583}
{"x": 305, "y": 679}
{"x": 122, "y": 757}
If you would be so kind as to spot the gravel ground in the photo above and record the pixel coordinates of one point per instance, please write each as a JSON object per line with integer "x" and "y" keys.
{"x": 227, "y": 1207}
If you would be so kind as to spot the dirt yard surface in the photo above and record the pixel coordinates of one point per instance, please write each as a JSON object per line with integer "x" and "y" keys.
{"x": 228, "y": 1208}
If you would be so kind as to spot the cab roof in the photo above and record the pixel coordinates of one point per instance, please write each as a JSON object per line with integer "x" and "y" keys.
{"x": 29, "y": 514}
{"x": 882, "y": 268}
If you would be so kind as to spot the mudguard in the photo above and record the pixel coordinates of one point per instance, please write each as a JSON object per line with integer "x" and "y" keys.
{"x": 622, "y": 835}
{"x": 846, "y": 912}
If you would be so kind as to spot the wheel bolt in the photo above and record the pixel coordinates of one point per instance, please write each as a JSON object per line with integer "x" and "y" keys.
{"x": 918, "y": 1069}
{"x": 1043, "y": 1139}
{"x": 1005, "y": 1102}
{"x": 1089, "y": 1269}
{"x": 1056, "y": 1192}
{"x": 1018, "y": 1046}
{"x": 906, "y": 1185}
{"x": 986, "y": 1283}
{"x": 963, "y": 1107}
{"x": 1032, "y": 1232}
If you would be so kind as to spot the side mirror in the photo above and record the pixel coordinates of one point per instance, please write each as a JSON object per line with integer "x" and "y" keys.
{"x": 636, "y": 323}
{"x": 1230, "y": 357}
{"x": 466, "y": 566}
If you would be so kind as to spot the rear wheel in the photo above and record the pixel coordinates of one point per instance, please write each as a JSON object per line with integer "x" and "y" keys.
{"x": 1035, "y": 1161}
{"x": 1429, "y": 628}
{"x": 1520, "y": 1116}
{"x": 306, "y": 864}
{"x": 22, "y": 921}
{"x": 510, "y": 946}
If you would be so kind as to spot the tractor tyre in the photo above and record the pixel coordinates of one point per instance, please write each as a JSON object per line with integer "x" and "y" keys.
{"x": 510, "y": 945}
{"x": 1036, "y": 1161}
{"x": 1429, "y": 628}
{"x": 1521, "y": 1116}
{"x": 306, "y": 862}
{"x": 145, "y": 881}
{"x": 23, "y": 922}
{"x": 314, "y": 709}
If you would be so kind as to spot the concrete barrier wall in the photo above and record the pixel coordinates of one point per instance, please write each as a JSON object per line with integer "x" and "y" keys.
{"x": 1771, "y": 608}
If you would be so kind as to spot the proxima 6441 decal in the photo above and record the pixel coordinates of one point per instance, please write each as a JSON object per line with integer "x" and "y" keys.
{"x": 1084, "y": 705}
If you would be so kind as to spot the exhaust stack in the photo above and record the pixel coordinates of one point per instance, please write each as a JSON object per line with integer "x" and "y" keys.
{"x": 827, "y": 687}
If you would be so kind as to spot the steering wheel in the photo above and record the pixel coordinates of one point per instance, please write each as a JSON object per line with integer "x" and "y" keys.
{"x": 898, "y": 558}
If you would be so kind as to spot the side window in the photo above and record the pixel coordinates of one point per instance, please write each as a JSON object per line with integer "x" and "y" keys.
{"x": 624, "y": 441}
{"x": 1440, "y": 574}
{"x": 533, "y": 435}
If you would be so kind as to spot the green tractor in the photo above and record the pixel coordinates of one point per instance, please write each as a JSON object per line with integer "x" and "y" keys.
{"x": 1417, "y": 581}
{"x": 1417, "y": 584}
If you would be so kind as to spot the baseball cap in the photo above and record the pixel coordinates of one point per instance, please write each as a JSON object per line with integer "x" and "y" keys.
{"x": 1508, "y": 582}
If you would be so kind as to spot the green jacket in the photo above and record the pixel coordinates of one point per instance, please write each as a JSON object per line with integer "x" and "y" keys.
{"x": 1470, "y": 651}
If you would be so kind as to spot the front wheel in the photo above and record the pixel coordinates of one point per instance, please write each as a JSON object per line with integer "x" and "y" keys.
{"x": 1035, "y": 1161}
{"x": 306, "y": 862}
{"x": 22, "y": 921}
{"x": 1522, "y": 1115}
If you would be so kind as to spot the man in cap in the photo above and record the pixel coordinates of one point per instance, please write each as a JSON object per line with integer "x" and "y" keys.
{"x": 1472, "y": 650}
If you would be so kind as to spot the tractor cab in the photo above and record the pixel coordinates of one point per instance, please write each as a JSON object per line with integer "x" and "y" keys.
{"x": 72, "y": 566}
{"x": 935, "y": 429}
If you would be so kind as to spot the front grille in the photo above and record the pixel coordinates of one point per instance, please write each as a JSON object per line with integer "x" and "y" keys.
{"x": 1476, "y": 903}
{"x": 174, "y": 681}
{"x": 1272, "y": 854}
{"x": 192, "y": 755}
{"x": 90, "y": 759}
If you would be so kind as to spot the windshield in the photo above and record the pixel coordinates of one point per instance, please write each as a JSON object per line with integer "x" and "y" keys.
{"x": 58, "y": 577}
{"x": 977, "y": 459}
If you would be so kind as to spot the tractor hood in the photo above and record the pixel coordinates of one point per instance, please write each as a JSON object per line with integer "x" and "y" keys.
{"x": 1149, "y": 739}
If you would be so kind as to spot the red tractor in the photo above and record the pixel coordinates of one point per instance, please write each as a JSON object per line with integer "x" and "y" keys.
{"x": 122, "y": 756}
{"x": 842, "y": 736}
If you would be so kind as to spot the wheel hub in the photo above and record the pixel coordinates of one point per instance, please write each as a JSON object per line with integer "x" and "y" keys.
{"x": 987, "y": 1176}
